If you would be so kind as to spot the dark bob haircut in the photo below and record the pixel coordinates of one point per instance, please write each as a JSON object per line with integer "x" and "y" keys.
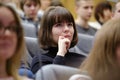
{"x": 52, "y": 16}
{"x": 100, "y": 8}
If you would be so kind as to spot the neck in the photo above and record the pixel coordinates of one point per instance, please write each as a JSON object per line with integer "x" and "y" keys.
{"x": 82, "y": 23}
{"x": 3, "y": 72}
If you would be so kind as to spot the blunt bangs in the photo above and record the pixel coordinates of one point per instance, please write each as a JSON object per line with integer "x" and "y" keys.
{"x": 59, "y": 15}
{"x": 52, "y": 16}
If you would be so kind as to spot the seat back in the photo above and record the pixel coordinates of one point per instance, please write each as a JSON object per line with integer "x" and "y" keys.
{"x": 32, "y": 48}
{"x": 85, "y": 42}
{"x": 29, "y": 30}
{"x": 56, "y": 72}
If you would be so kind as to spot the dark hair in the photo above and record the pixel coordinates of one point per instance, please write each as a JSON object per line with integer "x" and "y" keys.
{"x": 22, "y": 2}
{"x": 100, "y": 8}
{"x": 52, "y": 16}
{"x": 77, "y": 2}
{"x": 56, "y": 3}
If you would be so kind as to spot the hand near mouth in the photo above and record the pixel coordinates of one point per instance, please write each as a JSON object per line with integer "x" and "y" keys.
{"x": 63, "y": 45}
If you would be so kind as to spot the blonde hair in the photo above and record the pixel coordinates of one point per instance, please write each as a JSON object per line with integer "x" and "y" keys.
{"x": 77, "y": 2}
{"x": 101, "y": 62}
{"x": 13, "y": 63}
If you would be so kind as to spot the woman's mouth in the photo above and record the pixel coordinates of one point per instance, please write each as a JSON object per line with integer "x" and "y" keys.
{"x": 5, "y": 45}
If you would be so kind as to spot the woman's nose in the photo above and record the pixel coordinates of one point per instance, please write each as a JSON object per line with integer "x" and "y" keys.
{"x": 66, "y": 28}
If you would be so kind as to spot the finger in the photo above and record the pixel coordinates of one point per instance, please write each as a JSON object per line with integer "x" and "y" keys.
{"x": 67, "y": 42}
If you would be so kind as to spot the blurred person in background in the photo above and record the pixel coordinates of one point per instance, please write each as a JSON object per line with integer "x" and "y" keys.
{"x": 84, "y": 10}
{"x": 30, "y": 9}
{"x": 102, "y": 13}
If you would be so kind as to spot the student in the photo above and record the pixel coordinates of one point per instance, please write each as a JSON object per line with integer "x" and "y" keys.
{"x": 30, "y": 9}
{"x": 103, "y": 62}
{"x": 84, "y": 10}
{"x": 11, "y": 44}
{"x": 57, "y": 34}
{"x": 102, "y": 13}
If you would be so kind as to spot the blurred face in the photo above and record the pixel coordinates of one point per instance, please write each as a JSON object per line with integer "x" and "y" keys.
{"x": 63, "y": 29}
{"x": 117, "y": 11}
{"x": 107, "y": 15}
{"x": 31, "y": 8}
{"x": 85, "y": 9}
{"x": 45, "y": 4}
{"x": 8, "y": 37}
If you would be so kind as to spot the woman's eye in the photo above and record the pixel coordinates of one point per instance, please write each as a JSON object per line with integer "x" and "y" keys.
{"x": 58, "y": 24}
{"x": 70, "y": 24}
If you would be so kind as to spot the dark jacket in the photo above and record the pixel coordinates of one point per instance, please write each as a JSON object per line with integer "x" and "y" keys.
{"x": 70, "y": 59}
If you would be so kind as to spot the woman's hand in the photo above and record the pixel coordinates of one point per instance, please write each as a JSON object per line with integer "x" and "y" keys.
{"x": 63, "y": 45}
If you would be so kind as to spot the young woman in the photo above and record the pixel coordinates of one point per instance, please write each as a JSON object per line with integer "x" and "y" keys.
{"x": 11, "y": 44}
{"x": 103, "y": 62}
{"x": 57, "y": 34}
